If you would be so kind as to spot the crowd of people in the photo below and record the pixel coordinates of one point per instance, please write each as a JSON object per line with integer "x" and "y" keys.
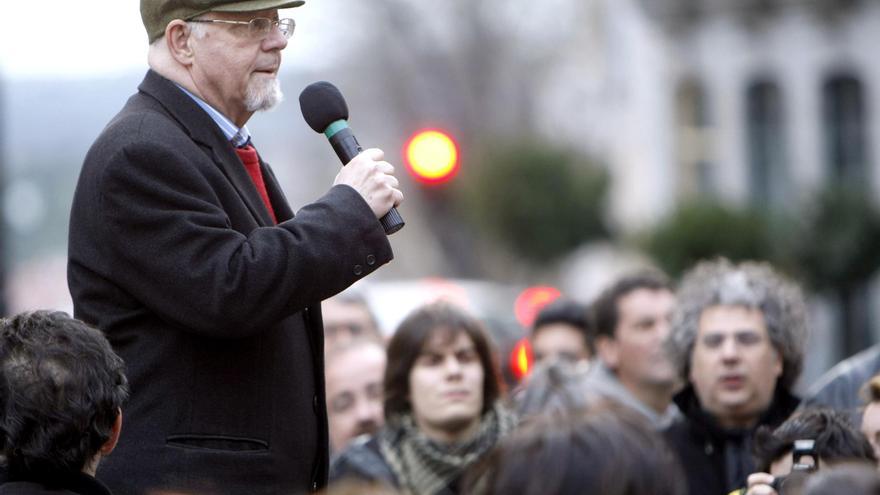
{"x": 648, "y": 390}
{"x": 213, "y": 349}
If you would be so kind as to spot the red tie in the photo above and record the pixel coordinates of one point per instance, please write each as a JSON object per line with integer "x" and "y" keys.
{"x": 251, "y": 162}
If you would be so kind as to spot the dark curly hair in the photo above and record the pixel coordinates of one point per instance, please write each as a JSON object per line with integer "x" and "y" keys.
{"x": 571, "y": 313}
{"x": 604, "y": 313}
{"x": 836, "y": 439}
{"x": 61, "y": 387}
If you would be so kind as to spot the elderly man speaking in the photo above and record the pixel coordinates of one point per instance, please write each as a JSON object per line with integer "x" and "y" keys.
{"x": 184, "y": 251}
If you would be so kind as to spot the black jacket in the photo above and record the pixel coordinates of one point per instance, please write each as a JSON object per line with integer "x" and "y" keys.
{"x": 81, "y": 484}
{"x": 716, "y": 460}
{"x": 215, "y": 311}
{"x": 363, "y": 461}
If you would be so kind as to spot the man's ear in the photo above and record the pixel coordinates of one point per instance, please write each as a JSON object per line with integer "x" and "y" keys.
{"x": 115, "y": 430}
{"x": 608, "y": 351}
{"x": 178, "y": 38}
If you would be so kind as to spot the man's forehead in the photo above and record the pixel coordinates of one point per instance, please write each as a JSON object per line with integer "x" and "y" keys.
{"x": 643, "y": 298}
{"x": 732, "y": 320}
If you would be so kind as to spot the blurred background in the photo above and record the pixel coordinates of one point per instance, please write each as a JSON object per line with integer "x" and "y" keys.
{"x": 589, "y": 137}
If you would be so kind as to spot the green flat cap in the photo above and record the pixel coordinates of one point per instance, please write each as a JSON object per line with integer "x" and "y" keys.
{"x": 156, "y": 14}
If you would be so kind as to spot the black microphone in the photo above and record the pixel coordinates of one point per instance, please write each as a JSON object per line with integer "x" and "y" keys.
{"x": 324, "y": 109}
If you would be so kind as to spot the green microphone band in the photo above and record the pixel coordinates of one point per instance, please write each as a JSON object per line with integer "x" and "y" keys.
{"x": 335, "y": 127}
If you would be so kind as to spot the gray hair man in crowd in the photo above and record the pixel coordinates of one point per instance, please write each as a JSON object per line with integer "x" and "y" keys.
{"x": 347, "y": 316}
{"x": 738, "y": 339}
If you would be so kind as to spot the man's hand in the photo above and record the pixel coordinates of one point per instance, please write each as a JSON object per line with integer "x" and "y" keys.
{"x": 373, "y": 179}
{"x": 761, "y": 484}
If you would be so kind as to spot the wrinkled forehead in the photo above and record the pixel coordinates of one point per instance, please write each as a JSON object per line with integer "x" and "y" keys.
{"x": 730, "y": 319}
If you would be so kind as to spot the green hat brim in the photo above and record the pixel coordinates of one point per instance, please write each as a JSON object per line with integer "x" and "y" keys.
{"x": 255, "y": 5}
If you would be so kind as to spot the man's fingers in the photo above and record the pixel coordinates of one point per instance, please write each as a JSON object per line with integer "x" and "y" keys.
{"x": 374, "y": 154}
{"x": 760, "y": 478}
{"x": 385, "y": 168}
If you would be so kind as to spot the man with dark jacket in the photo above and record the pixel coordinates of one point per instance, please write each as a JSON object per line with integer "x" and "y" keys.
{"x": 738, "y": 340}
{"x": 184, "y": 251}
{"x": 61, "y": 393}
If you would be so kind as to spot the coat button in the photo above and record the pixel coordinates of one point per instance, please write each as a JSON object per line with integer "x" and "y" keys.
{"x": 314, "y": 486}
{"x": 358, "y": 269}
{"x": 315, "y": 404}
{"x": 371, "y": 260}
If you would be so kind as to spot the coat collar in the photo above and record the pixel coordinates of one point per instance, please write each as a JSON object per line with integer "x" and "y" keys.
{"x": 205, "y": 132}
{"x": 784, "y": 403}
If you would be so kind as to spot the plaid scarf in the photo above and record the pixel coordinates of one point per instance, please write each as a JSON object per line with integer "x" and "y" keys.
{"x": 425, "y": 467}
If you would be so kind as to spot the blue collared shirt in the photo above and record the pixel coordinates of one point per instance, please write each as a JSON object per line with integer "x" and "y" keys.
{"x": 238, "y": 136}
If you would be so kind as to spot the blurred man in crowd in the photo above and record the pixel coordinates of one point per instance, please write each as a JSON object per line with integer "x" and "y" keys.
{"x": 851, "y": 479}
{"x": 870, "y": 424}
{"x": 632, "y": 319}
{"x": 347, "y": 316}
{"x": 61, "y": 394}
{"x": 834, "y": 440}
{"x": 562, "y": 331}
{"x": 607, "y": 449}
{"x": 442, "y": 408}
{"x": 738, "y": 339}
{"x": 354, "y": 390}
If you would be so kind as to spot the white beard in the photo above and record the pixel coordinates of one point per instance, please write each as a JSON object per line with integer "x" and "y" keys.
{"x": 263, "y": 93}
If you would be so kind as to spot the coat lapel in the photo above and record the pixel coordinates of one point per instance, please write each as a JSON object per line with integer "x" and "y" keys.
{"x": 204, "y": 131}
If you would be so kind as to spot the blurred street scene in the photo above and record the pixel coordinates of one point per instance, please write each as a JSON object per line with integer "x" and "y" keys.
{"x": 592, "y": 137}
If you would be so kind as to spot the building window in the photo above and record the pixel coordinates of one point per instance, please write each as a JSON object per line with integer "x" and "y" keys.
{"x": 768, "y": 174}
{"x": 843, "y": 112}
{"x": 693, "y": 141}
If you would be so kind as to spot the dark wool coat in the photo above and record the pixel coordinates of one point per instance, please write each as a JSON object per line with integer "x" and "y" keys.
{"x": 716, "y": 460}
{"x": 215, "y": 312}
{"x": 79, "y": 484}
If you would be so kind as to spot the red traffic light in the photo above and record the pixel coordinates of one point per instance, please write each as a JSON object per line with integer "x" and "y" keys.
{"x": 431, "y": 156}
{"x": 521, "y": 359}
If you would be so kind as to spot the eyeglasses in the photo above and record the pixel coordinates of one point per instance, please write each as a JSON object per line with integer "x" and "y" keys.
{"x": 259, "y": 27}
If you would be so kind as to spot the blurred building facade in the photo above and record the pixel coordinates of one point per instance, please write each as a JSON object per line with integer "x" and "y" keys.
{"x": 759, "y": 101}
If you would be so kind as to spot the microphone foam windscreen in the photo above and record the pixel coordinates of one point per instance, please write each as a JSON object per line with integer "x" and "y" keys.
{"x": 322, "y": 104}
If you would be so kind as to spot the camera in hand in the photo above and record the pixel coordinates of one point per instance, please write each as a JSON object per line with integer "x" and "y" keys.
{"x": 804, "y": 462}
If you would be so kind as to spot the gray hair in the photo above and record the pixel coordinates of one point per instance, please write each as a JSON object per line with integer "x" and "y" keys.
{"x": 555, "y": 388}
{"x": 749, "y": 284}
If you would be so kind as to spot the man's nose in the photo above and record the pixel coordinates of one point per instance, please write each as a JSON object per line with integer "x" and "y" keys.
{"x": 275, "y": 40}
{"x": 729, "y": 350}
{"x": 452, "y": 367}
{"x": 369, "y": 410}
